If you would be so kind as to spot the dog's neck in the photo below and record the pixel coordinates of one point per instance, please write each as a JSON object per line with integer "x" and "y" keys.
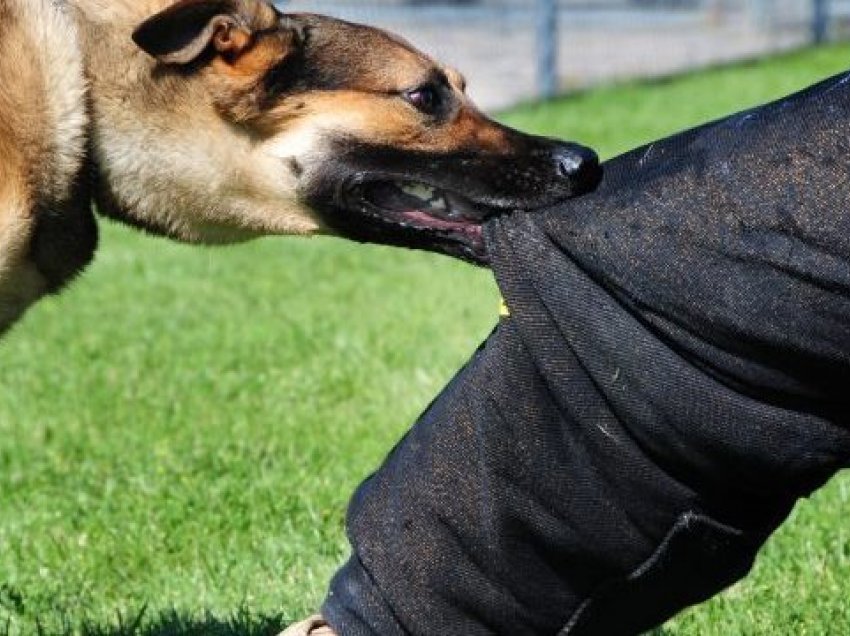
{"x": 165, "y": 159}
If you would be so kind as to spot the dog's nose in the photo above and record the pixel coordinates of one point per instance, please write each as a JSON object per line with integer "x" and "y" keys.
{"x": 578, "y": 164}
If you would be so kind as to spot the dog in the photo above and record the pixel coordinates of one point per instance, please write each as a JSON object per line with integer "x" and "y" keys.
{"x": 218, "y": 121}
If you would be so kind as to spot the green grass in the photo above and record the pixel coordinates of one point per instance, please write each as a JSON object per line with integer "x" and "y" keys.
{"x": 181, "y": 430}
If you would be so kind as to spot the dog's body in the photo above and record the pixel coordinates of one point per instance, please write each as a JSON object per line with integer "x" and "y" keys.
{"x": 217, "y": 121}
{"x": 43, "y": 124}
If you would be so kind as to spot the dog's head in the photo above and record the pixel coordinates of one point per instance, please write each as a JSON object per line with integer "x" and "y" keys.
{"x": 376, "y": 141}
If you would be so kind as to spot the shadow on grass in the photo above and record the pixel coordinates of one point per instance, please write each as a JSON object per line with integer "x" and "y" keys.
{"x": 170, "y": 623}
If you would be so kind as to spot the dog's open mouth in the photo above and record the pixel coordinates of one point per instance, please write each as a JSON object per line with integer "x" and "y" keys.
{"x": 420, "y": 208}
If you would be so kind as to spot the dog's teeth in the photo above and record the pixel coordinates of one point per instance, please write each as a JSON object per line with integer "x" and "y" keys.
{"x": 418, "y": 190}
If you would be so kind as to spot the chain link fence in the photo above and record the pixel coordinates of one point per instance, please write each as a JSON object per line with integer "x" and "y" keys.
{"x": 513, "y": 50}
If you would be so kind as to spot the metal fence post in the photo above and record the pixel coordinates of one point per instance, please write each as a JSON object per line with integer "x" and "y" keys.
{"x": 820, "y": 21}
{"x": 762, "y": 14}
{"x": 547, "y": 47}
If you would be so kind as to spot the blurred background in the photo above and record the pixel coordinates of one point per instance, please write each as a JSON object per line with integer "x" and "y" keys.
{"x": 516, "y": 50}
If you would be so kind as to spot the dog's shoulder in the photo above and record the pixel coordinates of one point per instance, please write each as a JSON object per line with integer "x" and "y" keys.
{"x": 47, "y": 231}
{"x": 43, "y": 118}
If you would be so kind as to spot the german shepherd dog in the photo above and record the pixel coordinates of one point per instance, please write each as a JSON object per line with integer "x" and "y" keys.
{"x": 217, "y": 121}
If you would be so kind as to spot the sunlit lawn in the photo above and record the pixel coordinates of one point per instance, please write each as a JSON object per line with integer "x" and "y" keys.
{"x": 180, "y": 432}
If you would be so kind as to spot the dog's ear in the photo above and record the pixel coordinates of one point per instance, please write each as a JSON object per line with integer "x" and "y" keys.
{"x": 185, "y": 30}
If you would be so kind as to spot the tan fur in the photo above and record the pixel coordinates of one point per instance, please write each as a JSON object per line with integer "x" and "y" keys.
{"x": 383, "y": 120}
{"x": 245, "y": 187}
{"x": 194, "y": 154}
{"x": 220, "y": 188}
{"x": 166, "y": 157}
{"x": 42, "y": 135}
{"x": 20, "y": 282}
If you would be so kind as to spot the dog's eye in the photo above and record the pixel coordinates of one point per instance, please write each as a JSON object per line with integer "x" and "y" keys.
{"x": 424, "y": 98}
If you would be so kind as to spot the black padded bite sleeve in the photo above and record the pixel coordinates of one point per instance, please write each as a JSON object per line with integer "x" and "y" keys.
{"x": 672, "y": 379}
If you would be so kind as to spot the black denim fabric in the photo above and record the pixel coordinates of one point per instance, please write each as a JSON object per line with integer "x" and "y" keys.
{"x": 674, "y": 376}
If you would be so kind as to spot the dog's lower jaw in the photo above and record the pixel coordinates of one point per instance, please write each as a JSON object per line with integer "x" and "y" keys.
{"x": 467, "y": 245}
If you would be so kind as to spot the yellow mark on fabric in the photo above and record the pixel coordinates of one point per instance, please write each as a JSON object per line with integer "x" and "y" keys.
{"x": 504, "y": 310}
